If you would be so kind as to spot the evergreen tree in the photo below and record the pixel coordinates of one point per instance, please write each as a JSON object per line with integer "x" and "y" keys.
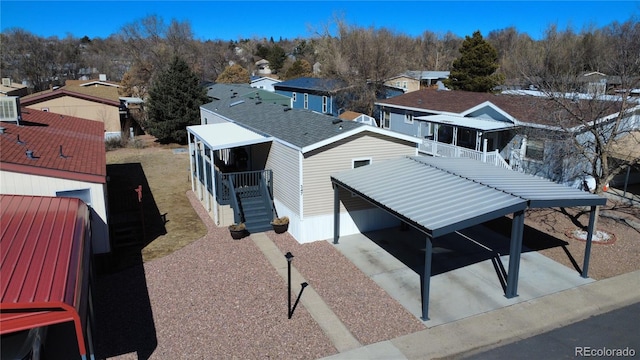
{"x": 276, "y": 58}
{"x": 475, "y": 69}
{"x": 174, "y": 103}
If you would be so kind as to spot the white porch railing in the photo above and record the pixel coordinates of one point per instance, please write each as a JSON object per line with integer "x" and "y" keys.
{"x": 434, "y": 148}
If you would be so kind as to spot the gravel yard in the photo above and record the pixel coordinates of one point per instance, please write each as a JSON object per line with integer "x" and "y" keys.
{"x": 216, "y": 297}
{"x": 220, "y": 298}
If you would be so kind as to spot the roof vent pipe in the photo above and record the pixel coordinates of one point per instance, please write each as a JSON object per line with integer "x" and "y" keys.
{"x": 62, "y": 155}
{"x": 2, "y": 129}
{"x": 29, "y": 154}
{"x": 20, "y": 142}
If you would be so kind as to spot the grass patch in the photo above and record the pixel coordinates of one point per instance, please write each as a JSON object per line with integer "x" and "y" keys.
{"x": 168, "y": 177}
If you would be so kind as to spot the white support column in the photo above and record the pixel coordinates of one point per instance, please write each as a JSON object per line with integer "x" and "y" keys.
{"x": 484, "y": 150}
{"x": 206, "y": 180}
{"x": 198, "y": 154}
{"x": 213, "y": 189}
{"x": 192, "y": 153}
{"x": 455, "y": 136}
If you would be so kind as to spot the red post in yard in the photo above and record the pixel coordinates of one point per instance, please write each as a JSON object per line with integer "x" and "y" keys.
{"x": 139, "y": 191}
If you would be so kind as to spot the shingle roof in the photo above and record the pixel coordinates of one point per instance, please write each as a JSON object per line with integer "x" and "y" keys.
{"x": 95, "y": 92}
{"x": 43, "y": 132}
{"x": 243, "y": 91}
{"x": 529, "y": 109}
{"x": 297, "y": 127}
{"x": 313, "y": 84}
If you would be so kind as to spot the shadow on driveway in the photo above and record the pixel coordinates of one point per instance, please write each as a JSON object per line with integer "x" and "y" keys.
{"x": 455, "y": 251}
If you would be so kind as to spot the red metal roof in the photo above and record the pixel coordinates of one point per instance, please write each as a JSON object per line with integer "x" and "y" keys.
{"x": 44, "y": 263}
{"x": 43, "y": 133}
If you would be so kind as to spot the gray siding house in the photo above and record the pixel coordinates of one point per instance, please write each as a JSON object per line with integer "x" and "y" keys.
{"x": 288, "y": 155}
{"x": 519, "y": 132}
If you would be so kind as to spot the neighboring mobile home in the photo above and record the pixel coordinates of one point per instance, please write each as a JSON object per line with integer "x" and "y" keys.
{"x": 96, "y": 100}
{"x": 246, "y": 145}
{"x": 479, "y": 125}
{"x": 49, "y": 154}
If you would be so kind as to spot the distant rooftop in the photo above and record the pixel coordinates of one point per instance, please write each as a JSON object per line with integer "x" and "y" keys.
{"x": 313, "y": 84}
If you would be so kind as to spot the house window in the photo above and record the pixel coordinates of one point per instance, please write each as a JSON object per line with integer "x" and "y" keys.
{"x": 386, "y": 116}
{"x": 397, "y": 84}
{"x": 404, "y": 84}
{"x": 408, "y": 117}
{"x": 293, "y": 96}
{"x": 306, "y": 101}
{"x": 45, "y": 109}
{"x": 534, "y": 150}
{"x": 324, "y": 104}
{"x": 356, "y": 163}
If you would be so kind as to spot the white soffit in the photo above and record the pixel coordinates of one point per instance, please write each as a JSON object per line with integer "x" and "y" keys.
{"x": 226, "y": 135}
{"x": 467, "y": 122}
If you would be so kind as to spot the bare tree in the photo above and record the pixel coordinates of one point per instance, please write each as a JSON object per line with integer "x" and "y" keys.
{"x": 30, "y": 58}
{"x": 438, "y": 52}
{"x": 363, "y": 59}
{"x": 591, "y": 120}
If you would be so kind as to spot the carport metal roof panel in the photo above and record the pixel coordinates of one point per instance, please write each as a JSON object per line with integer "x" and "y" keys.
{"x": 538, "y": 192}
{"x": 226, "y": 135}
{"x": 435, "y": 201}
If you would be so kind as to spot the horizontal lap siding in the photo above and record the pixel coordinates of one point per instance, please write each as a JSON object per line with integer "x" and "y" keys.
{"x": 286, "y": 180}
{"x": 24, "y": 184}
{"x": 321, "y": 163}
{"x": 91, "y": 110}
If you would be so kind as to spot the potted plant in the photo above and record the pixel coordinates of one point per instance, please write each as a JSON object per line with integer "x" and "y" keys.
{"x": 238, "y": 231}
{"x": 280, "y": 224}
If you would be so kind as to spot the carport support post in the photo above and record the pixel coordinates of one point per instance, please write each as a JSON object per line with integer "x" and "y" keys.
{"x": 336, "y": 213}
{"x": 515, "y": 249}
{"x": 587, "y": 248}
{"x": 426, "y": 280}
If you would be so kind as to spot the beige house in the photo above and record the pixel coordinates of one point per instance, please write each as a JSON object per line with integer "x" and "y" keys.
{"x": 47, "y": 154}
{"x": 253, "y": 161}
{"x": 415, "y": 80}
{"x": 96, "y": 100}
{"x": 10, "y": 88}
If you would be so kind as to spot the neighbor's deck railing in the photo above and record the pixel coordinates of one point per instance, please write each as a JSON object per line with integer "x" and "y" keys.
{"x": 434, "y": 148}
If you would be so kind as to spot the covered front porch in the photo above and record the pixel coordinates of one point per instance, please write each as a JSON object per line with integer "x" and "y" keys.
{"x": 474, "y": 138}
{"x": 228, "y": 174}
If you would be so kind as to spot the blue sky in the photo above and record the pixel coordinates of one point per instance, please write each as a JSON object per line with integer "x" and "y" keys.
{"x": 233, "y": 20}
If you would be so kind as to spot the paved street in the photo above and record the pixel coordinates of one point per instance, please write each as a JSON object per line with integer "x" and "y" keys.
{"x": 618, "y": 329}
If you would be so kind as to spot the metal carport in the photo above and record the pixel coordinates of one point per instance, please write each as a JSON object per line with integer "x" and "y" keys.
{"x": 439, "y": 196}
{"x": 45, "y": 266}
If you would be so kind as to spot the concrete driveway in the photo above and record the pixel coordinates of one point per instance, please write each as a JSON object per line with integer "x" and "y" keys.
{"x": 466, "y": 273}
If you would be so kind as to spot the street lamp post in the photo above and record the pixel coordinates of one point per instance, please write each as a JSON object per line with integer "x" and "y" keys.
{"x": 289, "y": 257}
